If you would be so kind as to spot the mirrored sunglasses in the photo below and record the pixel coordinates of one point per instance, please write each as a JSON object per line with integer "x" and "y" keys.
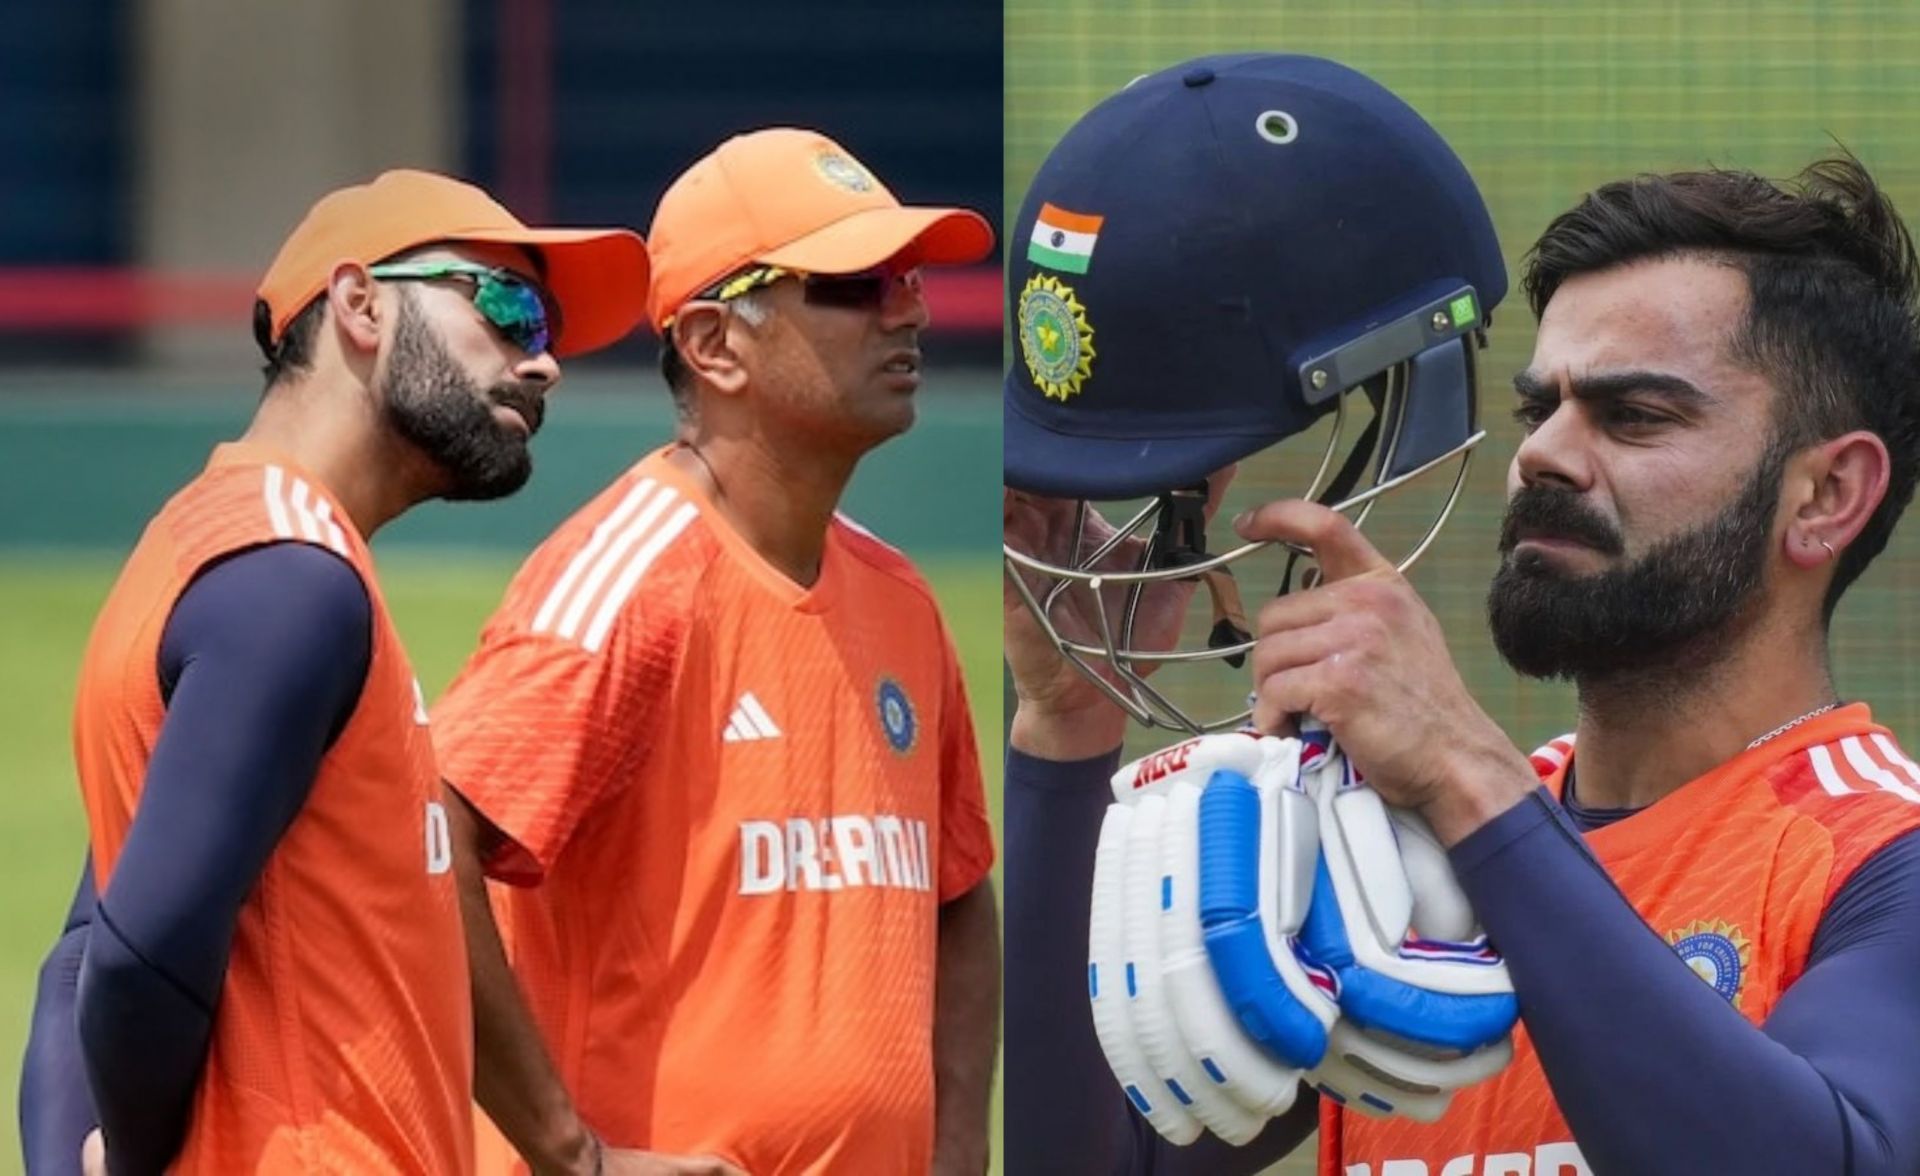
{"x": 516, "y": 307}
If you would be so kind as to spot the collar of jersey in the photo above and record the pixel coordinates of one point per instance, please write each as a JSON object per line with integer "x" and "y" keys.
{"x": 817, "y": 598}
{"x": 254, "y": 453}
{"x": 1652, "y": 828}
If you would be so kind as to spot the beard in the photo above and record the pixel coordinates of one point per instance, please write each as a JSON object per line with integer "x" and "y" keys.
{"x": 432, "y": 403}
{"x": 1680, "y": 603}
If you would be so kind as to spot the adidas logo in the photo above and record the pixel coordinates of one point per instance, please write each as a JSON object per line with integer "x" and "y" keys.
{"x": 749, "y": 721}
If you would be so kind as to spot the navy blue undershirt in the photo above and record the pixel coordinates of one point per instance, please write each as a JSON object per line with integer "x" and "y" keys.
{"x": 1653, "y": 1070}
{"x": 56, "y": 1112}
{"x": 261, "y": 665}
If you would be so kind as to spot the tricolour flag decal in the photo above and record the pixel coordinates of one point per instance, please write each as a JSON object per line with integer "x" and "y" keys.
{"x": 1063, "y": 240}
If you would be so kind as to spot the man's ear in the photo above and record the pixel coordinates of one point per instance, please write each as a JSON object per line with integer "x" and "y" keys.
{"x": 355, "y": 299}
{"x": 707, "y": 348}
{"x": 1838, "y": 485}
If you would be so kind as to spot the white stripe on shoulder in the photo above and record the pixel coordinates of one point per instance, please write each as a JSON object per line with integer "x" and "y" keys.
{"x": 1827, "y": 773}
{"x": 630, "y": 575}
{"x": 1855, "y": 772}
{"x": 603, "y": 532}
{"x": 1897, "y": 758}
{"x": 336, "y": 539}
{"x": 1862, "y": 763}
{"x": 276, "y": 502}
{"x": 612, "y": 558}
{"x": 1554, "y": 751}
{"x": 303, "y": 513}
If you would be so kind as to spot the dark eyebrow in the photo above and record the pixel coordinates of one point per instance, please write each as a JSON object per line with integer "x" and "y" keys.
{"x": 1612, "y": 385}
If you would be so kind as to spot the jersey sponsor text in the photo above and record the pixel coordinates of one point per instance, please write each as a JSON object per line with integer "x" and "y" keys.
{"x": 834, "y": 853}
{"x": 1548, "y": 1159}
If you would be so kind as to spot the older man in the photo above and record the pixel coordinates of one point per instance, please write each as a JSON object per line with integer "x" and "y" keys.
{"x": 717, "y": 733}
{"x": 268, "y": 978}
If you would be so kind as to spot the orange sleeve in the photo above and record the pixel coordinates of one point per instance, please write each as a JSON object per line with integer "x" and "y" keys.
{"x": 537, "y": 730}
{"x": 966, "y": 834}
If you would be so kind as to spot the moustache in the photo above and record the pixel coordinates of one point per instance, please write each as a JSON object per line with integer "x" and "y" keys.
{"x": 530, "y": 404}
{"x": 1537, "y": 510}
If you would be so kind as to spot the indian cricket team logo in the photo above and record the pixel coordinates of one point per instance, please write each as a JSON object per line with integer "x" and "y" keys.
{"x": 842, "y": 172}
{"x": 1717, "y": 952}
{"x": 897, "y": 720}
{"x": 1055, "y": 338}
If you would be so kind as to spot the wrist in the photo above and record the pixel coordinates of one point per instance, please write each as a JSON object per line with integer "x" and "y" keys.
{"x": 1065, "y": 734}
{"x": 573, "y": 1151}
{"x": 1480, "y": 782}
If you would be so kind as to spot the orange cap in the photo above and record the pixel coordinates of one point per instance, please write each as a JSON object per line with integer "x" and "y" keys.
{"x": 598, "y": 277}
{"x": 798, "y": 200}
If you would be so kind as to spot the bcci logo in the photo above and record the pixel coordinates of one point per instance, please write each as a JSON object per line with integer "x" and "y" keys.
{"x": 897, "y": 720}
{"x": 1055, "y": 338}
{"x": 1717, "y": 952}
{"x": 842, "y": 172}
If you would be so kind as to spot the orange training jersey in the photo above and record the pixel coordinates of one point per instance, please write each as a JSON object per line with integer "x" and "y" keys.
{"x": 1735, "y": 870}
{"x": 343, "y": 1039}
{"x": 744, "y": 802}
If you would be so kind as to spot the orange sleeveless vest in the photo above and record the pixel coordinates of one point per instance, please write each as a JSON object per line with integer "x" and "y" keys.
{"x": 343, "y": 1038}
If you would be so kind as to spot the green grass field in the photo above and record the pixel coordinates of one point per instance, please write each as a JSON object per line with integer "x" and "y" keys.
{"x": 46, "y": 607}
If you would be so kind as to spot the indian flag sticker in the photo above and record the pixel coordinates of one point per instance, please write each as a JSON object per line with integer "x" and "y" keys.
{"x": 1063, "y": 240}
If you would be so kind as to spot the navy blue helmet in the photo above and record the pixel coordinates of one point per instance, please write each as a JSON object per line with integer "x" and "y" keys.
{"x": 1209, "y": 262}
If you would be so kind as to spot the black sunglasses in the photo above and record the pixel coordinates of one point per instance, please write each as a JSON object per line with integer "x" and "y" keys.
{"x": 865, "y": 290}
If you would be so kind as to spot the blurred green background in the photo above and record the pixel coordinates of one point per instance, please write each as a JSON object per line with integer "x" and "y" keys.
{"x": 85, "y": 462}
{"x": 1543, "y": 102}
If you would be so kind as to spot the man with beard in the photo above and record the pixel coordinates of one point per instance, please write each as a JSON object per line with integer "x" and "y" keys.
{"x": 717, "y": 737}
{"x": 266, "y": 942}
{"x": 1722, "y": 429}
{"x": 1708, "y": 897}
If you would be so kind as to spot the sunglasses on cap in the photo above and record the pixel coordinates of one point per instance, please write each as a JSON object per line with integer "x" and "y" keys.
{"x": 516, "y": 307}
{"x": 865, "y": 290}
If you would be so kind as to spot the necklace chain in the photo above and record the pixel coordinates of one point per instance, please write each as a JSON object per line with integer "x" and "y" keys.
{"x": 1790, "y": 724}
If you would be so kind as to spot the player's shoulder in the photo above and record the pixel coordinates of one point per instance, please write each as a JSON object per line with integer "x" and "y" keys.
{"x": 1550, "y": 757}
{"x": 633, "y": 555}
{"x": 1852, "y": 790}
{"x": 887, "y": 566}
{"x": 1846, "y": 775}
{"x": 240, "y": 503}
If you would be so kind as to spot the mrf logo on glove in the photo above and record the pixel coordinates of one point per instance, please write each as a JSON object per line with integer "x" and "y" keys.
{"x": 1199, "y": 758}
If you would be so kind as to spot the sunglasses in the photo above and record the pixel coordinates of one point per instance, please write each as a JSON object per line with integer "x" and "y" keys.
{"x": 516, "y": 307}
{"x": 865, "y": 290}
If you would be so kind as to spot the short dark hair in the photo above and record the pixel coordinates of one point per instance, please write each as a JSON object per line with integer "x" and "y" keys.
{"x": 1831, "y": 317}
{"x": 292, "y": 354}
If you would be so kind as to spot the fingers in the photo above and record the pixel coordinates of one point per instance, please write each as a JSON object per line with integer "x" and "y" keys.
{"x": 1337, "y": 545}
{"x": 93, "y": 1154}
{"x": 1291, "y": 648}
{"x": 1281, "y": 696}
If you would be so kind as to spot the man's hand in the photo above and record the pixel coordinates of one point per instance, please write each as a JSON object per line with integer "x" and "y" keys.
{"x": 1362, "y": 653}
{"x": 1062, "y": 715}
{"x": 615, "y": 1161}
{"x": 93, "y": 1154}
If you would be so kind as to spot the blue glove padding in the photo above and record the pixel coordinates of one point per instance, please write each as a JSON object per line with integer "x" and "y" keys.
{"x": 1426, "y": 1004}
